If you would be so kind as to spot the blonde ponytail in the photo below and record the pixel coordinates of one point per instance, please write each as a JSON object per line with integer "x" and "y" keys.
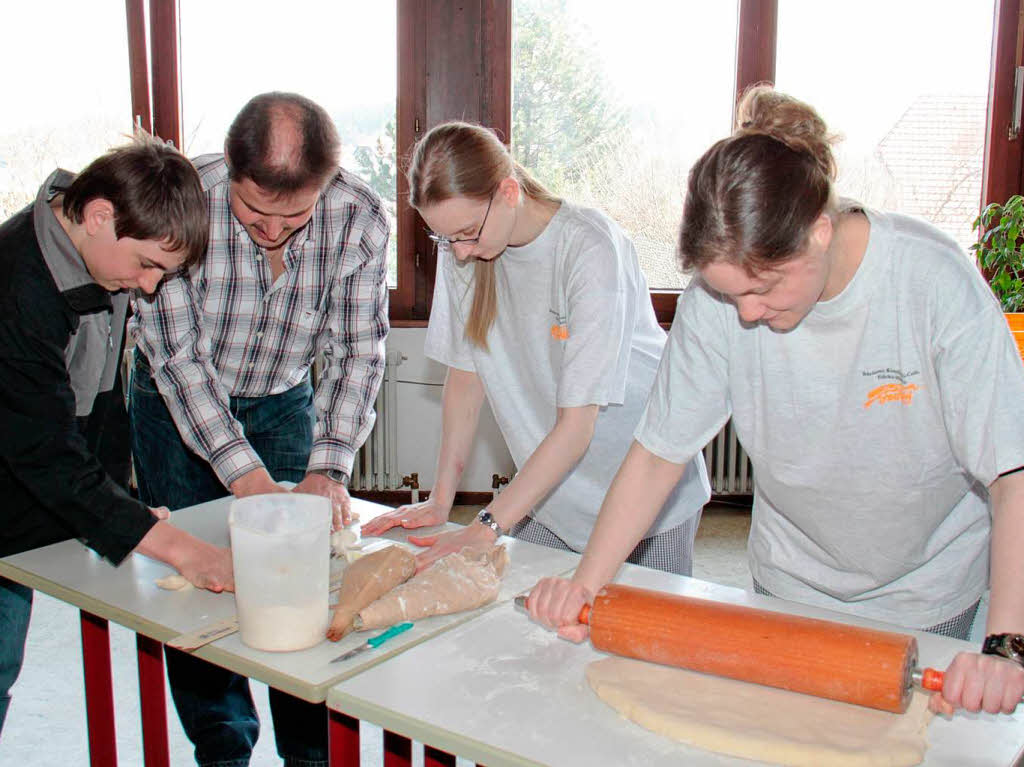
{"x": 458, "y": 159}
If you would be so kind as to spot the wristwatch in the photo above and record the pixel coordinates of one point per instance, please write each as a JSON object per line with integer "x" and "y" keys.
{"x": 486, "y": 519}
{"x": 335, "y": 475}
{"x": 1007, "y": 645}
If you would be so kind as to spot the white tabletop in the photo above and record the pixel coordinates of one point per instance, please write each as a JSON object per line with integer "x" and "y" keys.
{"x": 129, "y": 596}
{"x": 501, "y": 690}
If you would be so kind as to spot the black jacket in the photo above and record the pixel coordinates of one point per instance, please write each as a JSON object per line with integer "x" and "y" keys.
{"x": 64, "y": 449}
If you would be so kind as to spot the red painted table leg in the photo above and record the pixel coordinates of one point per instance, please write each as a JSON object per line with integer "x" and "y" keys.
{"x": 343, "y": 739}
{"x": 433, "y": 757}
{"x": 99, "y": 691}
{"x": 397, "y": 750}
{"x": 154, "y": 704}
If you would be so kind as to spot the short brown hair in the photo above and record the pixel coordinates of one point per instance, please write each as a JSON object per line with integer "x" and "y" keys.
{"x": 752, "y": 198}
{"x": 254, "y": 141}
{"x": 155, "y": 192}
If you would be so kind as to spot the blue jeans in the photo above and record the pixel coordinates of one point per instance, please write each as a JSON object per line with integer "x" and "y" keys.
{"x": 15, "y": 609}
{"x": 215, "y": 705}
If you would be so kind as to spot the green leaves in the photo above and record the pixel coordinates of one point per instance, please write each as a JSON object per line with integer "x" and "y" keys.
{"x": 998, "y": 250}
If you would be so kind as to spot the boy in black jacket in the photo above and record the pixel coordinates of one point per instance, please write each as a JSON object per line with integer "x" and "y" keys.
{"x": 66, "y": 264}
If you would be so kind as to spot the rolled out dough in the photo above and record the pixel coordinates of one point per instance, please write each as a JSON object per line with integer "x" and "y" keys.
{"x": 756, "y": 722}
{"x": 460, "y": 581}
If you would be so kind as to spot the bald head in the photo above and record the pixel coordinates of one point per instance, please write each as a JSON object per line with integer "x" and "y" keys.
{"x": 283, "y": 142}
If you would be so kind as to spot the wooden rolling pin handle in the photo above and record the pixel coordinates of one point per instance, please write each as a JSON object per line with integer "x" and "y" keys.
{"x": 932, "y": 679}
{"x": 522, "y": 602}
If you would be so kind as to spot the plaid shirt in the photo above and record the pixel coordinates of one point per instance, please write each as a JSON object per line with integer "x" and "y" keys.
{"x": 224, "y": 329}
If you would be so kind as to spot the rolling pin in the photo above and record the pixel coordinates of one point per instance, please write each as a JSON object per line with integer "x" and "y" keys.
{"x": 868, "y": 667}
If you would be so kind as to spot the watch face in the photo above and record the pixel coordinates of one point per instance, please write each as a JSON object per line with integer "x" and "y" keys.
{"x": 1015, "y": 644}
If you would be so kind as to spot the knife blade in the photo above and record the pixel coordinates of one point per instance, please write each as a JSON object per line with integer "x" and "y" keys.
{"x": 376, "y": 641}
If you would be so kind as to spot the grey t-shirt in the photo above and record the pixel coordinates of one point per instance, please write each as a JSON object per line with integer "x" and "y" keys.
{"x": 874, "y": 427}
{"x": 574, "y": 327}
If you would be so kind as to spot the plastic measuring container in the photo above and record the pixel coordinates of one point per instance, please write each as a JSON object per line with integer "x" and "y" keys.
{"x": 280, "y": 548}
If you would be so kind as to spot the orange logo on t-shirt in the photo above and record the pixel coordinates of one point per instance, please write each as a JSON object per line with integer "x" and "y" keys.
{"x": 891, "y": 393}
{"x": 560, "y": 332}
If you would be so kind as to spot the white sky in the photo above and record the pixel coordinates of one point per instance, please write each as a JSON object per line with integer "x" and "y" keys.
{"x": 341, "y": 54}
{"x": 860, "y": 63}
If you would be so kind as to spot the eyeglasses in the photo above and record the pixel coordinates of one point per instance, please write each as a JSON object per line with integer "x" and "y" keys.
{"x": 447, "y": 242}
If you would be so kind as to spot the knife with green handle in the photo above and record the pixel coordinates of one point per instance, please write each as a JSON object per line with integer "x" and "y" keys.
{"x": 376, "y": 641}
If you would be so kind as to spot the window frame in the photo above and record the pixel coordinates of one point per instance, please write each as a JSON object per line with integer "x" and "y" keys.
{"x": 472, "y": 57}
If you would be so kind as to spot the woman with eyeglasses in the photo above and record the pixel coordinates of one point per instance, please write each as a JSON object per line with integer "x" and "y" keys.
{"x": 540, "y": 306}
{"x": 870, "y": 375}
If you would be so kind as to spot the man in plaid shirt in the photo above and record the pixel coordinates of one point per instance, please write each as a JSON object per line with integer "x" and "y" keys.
{"x": 221, "y": 398}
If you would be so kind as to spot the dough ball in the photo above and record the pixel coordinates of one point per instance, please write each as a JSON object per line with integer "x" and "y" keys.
{"x": 174, "y": 582}
{"x": 341, "y": 541}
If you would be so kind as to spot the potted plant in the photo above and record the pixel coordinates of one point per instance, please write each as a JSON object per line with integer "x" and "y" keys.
{"x": 998, "y": 250}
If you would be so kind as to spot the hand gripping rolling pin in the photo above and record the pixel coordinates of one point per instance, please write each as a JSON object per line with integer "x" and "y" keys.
{"x": 868, "y": 667}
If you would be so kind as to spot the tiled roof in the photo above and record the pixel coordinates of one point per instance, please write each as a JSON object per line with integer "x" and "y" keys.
{"x": 658, "y": 262}
{"x": 934, "y": 157}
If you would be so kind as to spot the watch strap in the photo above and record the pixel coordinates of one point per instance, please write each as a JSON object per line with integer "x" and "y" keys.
{"x": 993, "y": 644}
{"x": 487, "y": 519}
{"x": 1009, "y": 646}
{"x": 335, "y": 475}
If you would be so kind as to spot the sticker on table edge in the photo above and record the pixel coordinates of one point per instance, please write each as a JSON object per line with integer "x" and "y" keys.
{"x": 193, "y": 640}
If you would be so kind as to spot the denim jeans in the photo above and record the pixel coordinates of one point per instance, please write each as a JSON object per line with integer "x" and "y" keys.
{"x": 215, "y": 705}
{"x": 15, "y": 609}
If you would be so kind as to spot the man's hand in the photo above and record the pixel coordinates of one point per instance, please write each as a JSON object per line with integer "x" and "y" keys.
{"x": 255, "y": 482}
{"x": 473, "y": 534}
{"x": 423, "y": 514}
{"x": 977, "y": 682}
{"x": 336, "y": 492}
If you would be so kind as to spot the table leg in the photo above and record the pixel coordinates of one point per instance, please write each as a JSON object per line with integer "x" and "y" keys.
{"x": 99, "y": 691}
{"x": 343, "y": 739}
{"x": 154, "y": 703}
{"x": 397, "y": 750}
{"x": 434, "y": 757}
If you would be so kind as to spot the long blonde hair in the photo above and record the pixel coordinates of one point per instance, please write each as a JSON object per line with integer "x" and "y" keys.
{"x": 459, "y": 159}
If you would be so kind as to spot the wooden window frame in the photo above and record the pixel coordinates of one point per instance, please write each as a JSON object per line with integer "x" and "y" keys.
{"x": 1003, "y": 168}
{"x": 464, "y": 47}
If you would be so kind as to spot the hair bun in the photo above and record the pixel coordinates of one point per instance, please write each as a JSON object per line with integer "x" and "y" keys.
{"x": 763, "y": 110}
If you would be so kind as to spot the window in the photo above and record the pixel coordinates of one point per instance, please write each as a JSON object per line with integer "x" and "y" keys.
{"x": 341, "y": 55}
{"x": 65, "y": 102}
{"x": 611, "y": 105}
{"x": 906, "y": 85}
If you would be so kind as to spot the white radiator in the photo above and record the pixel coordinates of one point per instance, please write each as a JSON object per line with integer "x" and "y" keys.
{"x": 376, "y": 463}
{"x": 729, "y": 469}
